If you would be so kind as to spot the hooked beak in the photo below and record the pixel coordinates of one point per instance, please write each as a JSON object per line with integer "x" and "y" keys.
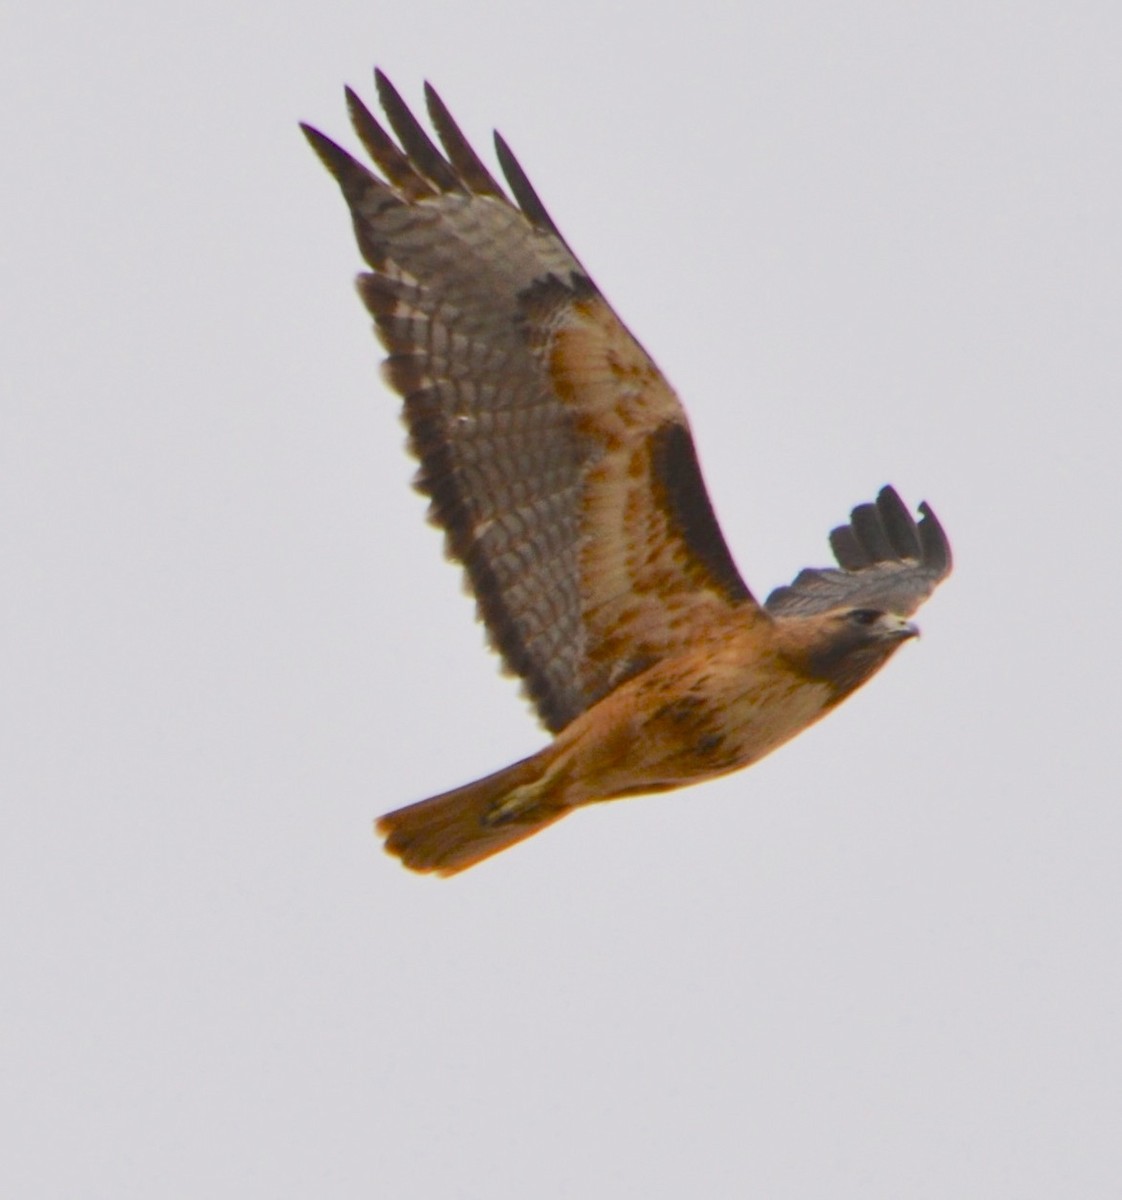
{"x": 898, "y": 628}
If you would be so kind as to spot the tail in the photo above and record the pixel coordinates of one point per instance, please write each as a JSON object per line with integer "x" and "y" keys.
{"x": 457, "y": 829}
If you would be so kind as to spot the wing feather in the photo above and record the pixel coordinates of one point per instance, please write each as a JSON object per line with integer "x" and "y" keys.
{"x": 888, "y": 561}
{"x": 528, "y": 199}
{"x": 383, "y": 150}
{"x": 418, "y": 146}
{"x": 557, "y": 459}
{"x": 468, "y": 164}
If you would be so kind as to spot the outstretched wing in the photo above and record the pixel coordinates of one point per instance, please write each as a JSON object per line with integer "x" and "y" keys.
{"x": 888, "y": 561}
{"x": 557, "y": 458}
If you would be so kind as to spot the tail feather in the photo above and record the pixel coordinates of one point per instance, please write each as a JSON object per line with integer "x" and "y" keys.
{"x": 457, "y": 829}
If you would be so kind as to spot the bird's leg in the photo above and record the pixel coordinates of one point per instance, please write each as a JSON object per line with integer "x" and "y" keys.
{"x": 519, "y": 804}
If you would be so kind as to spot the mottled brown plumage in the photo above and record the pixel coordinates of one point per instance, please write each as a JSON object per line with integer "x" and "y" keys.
{"x": 560, "y": 465}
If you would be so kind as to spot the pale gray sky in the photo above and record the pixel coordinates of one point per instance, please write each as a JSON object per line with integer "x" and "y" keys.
{"x": 867, "y": 242}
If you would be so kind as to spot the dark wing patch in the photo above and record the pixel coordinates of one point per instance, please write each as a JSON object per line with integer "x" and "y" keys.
{"x": 888, "y": 561}
{"x": 678, "y": 486}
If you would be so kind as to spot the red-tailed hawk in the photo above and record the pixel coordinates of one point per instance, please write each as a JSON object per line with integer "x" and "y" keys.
{"x": 560, "y": 466}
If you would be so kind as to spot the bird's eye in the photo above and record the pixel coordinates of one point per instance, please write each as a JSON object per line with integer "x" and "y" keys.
{"x": 865, "y": 616}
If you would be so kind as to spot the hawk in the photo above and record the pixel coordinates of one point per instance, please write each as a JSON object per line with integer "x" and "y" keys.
{"x": 559, "y": 463}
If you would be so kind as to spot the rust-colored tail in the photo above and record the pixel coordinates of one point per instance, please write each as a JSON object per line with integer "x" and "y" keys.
{"x": 457, "y": 829}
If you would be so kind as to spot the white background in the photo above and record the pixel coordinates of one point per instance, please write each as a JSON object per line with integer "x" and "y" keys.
{"x": 866, "y": 242}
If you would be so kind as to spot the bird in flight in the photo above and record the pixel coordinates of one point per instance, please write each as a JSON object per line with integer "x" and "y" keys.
{"x": 560, "y": 465}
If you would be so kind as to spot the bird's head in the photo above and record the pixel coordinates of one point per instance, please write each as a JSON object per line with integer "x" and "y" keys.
{"x": 846, "y": 646}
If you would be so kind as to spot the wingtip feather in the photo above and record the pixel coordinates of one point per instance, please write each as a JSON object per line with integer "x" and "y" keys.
{"x": 347, "y": 171}
{"x": 936, "y": 545}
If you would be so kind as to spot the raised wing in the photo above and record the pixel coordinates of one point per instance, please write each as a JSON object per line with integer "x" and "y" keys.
{"x": 888, "y": 561}
{"x": 557, "y": 458}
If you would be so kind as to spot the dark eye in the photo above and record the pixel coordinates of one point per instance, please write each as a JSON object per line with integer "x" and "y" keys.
{"x": 865, "y": 616}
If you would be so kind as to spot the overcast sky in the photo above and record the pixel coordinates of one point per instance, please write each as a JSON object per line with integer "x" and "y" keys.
{"x": 867, "y": 242}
